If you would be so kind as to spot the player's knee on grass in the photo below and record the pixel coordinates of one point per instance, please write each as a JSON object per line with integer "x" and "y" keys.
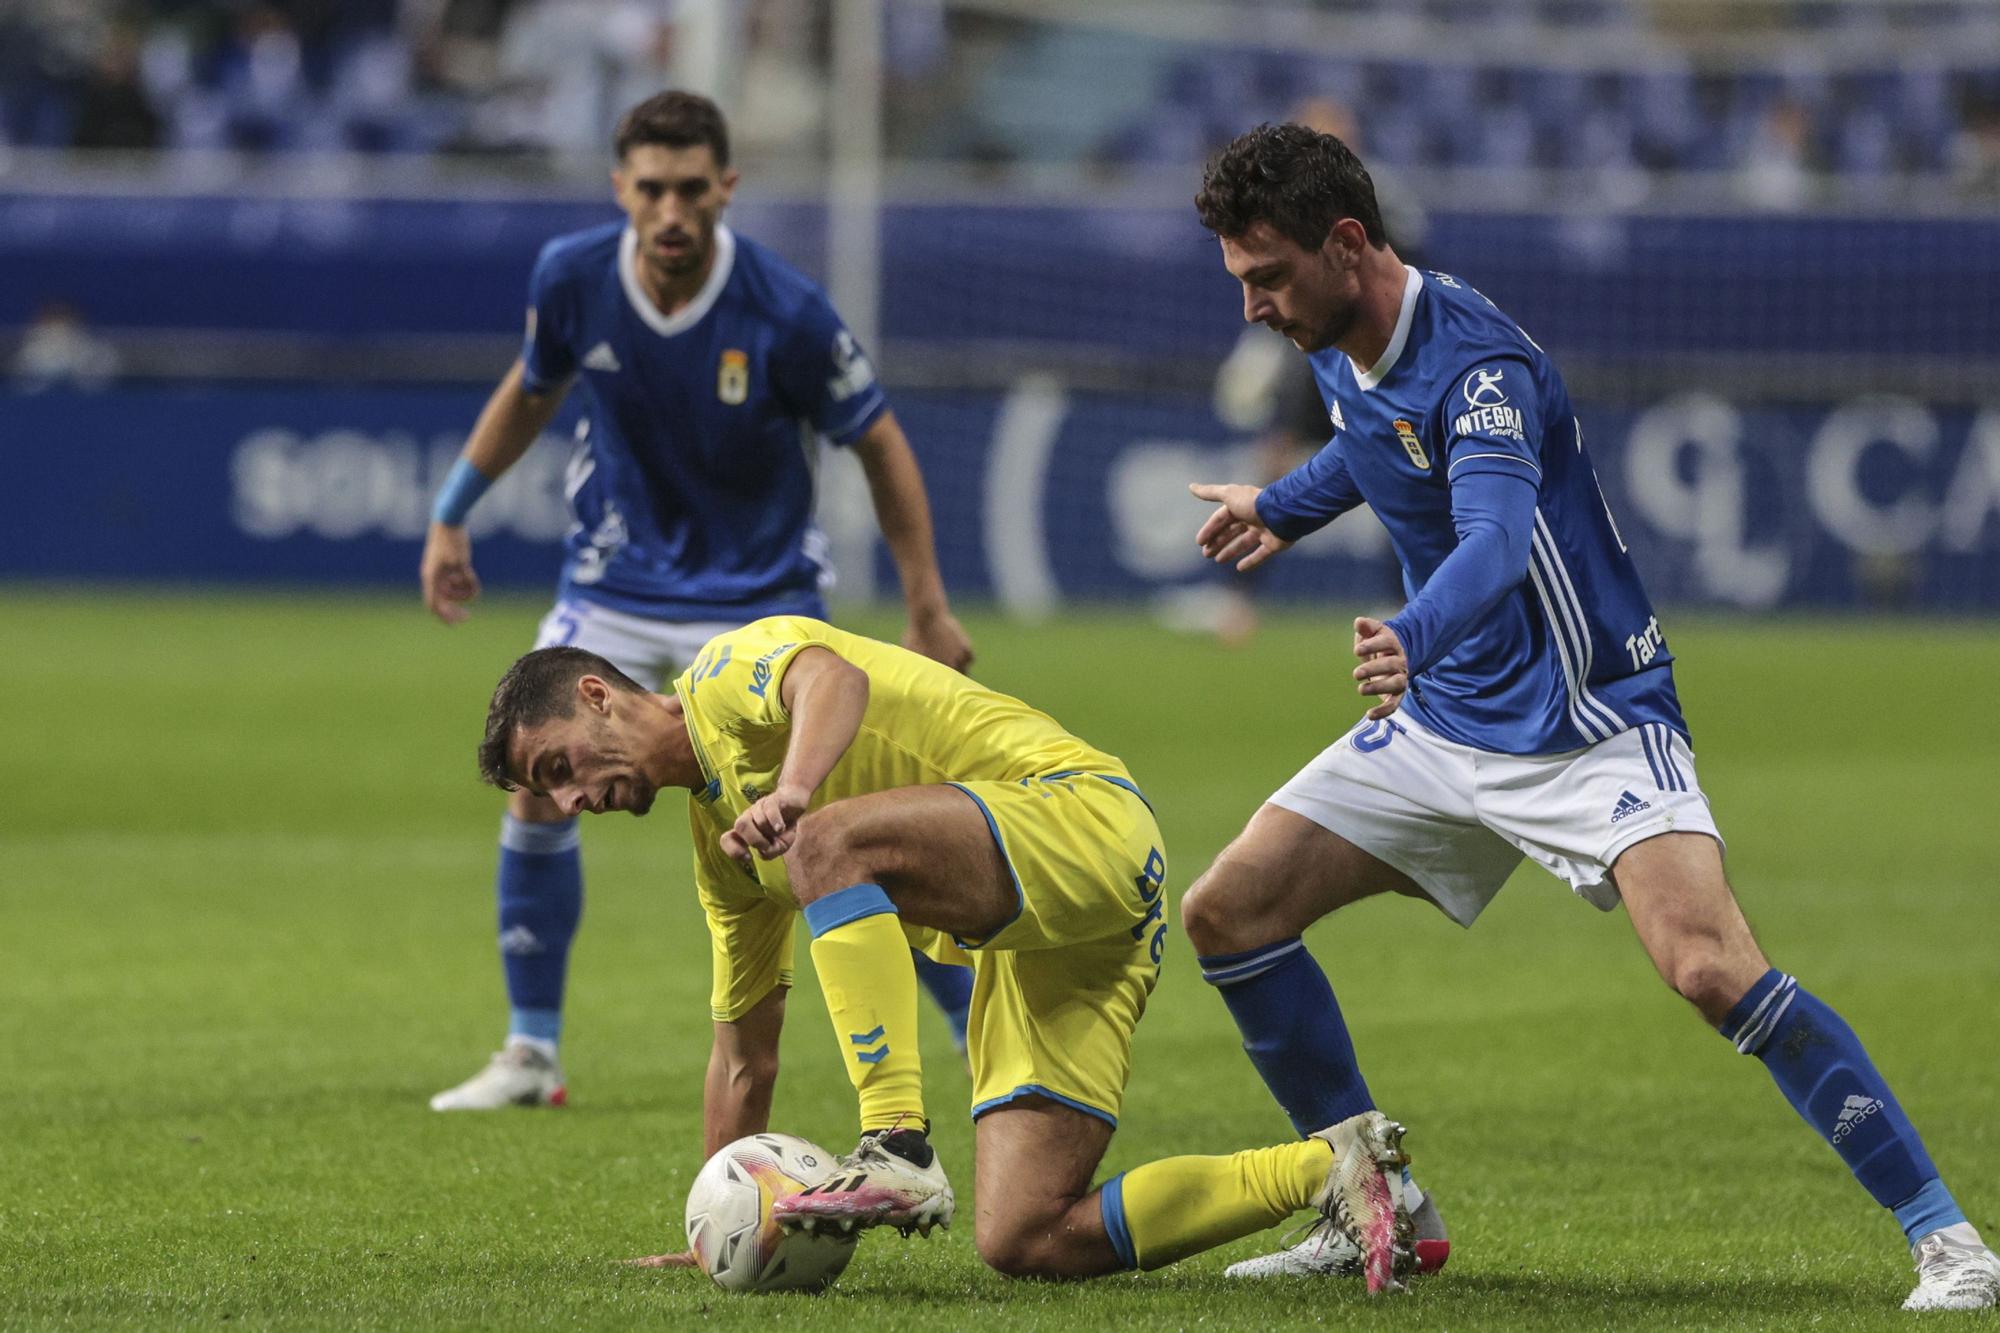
{"x": 1012, "y": 1254}
{"x": 1035, "y": 1246}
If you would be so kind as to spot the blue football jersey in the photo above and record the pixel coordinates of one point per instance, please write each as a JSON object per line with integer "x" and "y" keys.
{"x": 693, "y": 483}
{"x": 1573, "y": 653}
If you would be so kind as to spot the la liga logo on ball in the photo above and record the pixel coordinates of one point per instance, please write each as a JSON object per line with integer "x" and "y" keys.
{"x": 730, "y": 1228}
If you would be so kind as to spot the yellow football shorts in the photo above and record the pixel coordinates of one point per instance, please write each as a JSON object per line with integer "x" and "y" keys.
{"x": 1058, "y": 991}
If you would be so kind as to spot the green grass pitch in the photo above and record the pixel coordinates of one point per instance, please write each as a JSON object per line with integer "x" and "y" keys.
{"x": 245, "y": 866}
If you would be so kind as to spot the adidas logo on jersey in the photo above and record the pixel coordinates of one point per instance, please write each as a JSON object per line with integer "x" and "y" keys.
{"x": 1856, "y": 1110}
{"x": 1333, "y": 415}
{"x": 601, "y": 357}
{"x": 1628, "y": 804}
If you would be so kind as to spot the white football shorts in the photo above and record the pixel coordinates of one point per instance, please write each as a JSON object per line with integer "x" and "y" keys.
{"x": 649, "y": 651}
{"x": 1458, "y": 820}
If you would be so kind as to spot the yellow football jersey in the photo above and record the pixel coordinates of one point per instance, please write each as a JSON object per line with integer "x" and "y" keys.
{"x": 925, "y": 723}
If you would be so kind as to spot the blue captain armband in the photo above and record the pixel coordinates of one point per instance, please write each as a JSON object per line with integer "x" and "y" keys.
{"x": 460, "y": 492}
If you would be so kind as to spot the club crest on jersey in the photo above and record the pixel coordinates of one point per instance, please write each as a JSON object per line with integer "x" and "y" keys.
{"x": 1412, "y": 446}
{"x": 732, "y": 379}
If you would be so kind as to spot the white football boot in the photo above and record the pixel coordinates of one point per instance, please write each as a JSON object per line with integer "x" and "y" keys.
{"x": 517, "y": 1075}
{"x": 1955, "y": 1271}
{"x": 892, "y": 1178}
{"x": 1363, "y": 1197}
{"x": 1325, "y": 1252}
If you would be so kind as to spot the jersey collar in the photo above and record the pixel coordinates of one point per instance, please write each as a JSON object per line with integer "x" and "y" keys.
{"x": 690, "y": 314}
{"x": 1413, "y": 283}
{"x": 711, "y": 786}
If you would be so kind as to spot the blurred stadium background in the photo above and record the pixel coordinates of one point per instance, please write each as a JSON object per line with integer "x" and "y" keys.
{"x": 260, "y": 264}
{"x": 1762, "y": 237}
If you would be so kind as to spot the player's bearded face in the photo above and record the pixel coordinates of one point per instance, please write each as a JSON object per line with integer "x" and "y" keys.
{"x": 1326, "y": 301}
{"x": 674, "y": 199}
{"x": 1306, "y": 295}
{"x": 586, "y": 764}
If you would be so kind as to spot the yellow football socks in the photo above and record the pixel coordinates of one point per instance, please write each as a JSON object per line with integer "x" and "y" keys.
{"x": 1183, "y": 1205}
{"x": 870, "y": 985}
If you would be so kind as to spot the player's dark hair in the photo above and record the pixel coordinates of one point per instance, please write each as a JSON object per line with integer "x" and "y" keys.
{"x": 674, "y": 120}
{"x": 1298, "y": 180}
{"x": 538, "y": 688}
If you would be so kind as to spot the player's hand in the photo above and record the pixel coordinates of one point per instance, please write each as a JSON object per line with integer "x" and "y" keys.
{"x": 1384, "y": 671}
{"x": 446, "y": 571}
{"x": 1234, "y": 531}
{"x": 937, "y": 634}
{"x": 684, "y": 1259}
{"x": 768, "y": 827}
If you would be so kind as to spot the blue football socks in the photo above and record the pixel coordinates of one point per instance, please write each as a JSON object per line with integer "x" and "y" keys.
{"x": 1293, "y": 1031}
{"x": 540, "y": 883}
{"x": 951, "y": 986}
{"x": 1825, "y": 1074}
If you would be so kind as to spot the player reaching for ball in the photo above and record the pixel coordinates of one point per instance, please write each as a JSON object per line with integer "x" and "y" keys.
{"x": 896, "y": 804}
{"x": 1524, "y": 698}
{"x": 713, "y": 370}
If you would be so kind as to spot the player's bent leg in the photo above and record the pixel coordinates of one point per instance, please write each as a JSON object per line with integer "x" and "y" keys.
{"x": 858, "y": 868}
{"x": 1245, "y": 917}
{"x": 539, "y": 887}
{"x": 1278, "y": 876}
{"x": 845, "y": 836}
{"x": 1689, "y": 921}
{"x": 1351, "y": 1173}
{"x": 1682, "y": 907}
{"x": 929, "y": 848}
{"x": 1038, "y": 1216}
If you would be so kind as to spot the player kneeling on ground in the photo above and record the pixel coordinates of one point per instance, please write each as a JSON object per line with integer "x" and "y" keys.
{"x": 897, "y": 803}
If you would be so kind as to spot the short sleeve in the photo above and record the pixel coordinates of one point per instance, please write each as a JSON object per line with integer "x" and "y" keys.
{"x": 1492, "y": 421}
{"x": 828, "y": 377}
{"x": 749, "y": 935}
{"x": 734, "y": 680}
{"x": 546, "y": 357}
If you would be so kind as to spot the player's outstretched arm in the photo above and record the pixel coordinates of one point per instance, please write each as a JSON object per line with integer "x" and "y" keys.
{"x": 736, "y": 1100}
{"x": 896, "y": 484}
{"x": 826, "y": 696}
{"x": 742, "y": 1074}
{"x": 1235, "y": 531}
{"x": 511, "y": 421}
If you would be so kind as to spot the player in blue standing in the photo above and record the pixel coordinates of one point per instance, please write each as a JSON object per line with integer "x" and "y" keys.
{"x": 1523, "y": 699}
{"x": 714, "y": 369}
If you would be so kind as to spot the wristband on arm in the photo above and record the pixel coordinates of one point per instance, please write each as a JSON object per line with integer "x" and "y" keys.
{"x": 461, "y": 491}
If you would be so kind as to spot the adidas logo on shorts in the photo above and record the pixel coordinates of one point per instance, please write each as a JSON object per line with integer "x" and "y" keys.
{"x": 1628, "y": 804}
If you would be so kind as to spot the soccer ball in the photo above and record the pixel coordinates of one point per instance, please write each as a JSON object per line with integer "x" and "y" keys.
{"x": 730, "y": 1228}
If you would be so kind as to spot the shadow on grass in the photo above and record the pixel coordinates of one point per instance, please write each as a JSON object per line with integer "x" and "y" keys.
{"x": 1724, "y": 1297}
{"x": 1567, "y": 1300}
